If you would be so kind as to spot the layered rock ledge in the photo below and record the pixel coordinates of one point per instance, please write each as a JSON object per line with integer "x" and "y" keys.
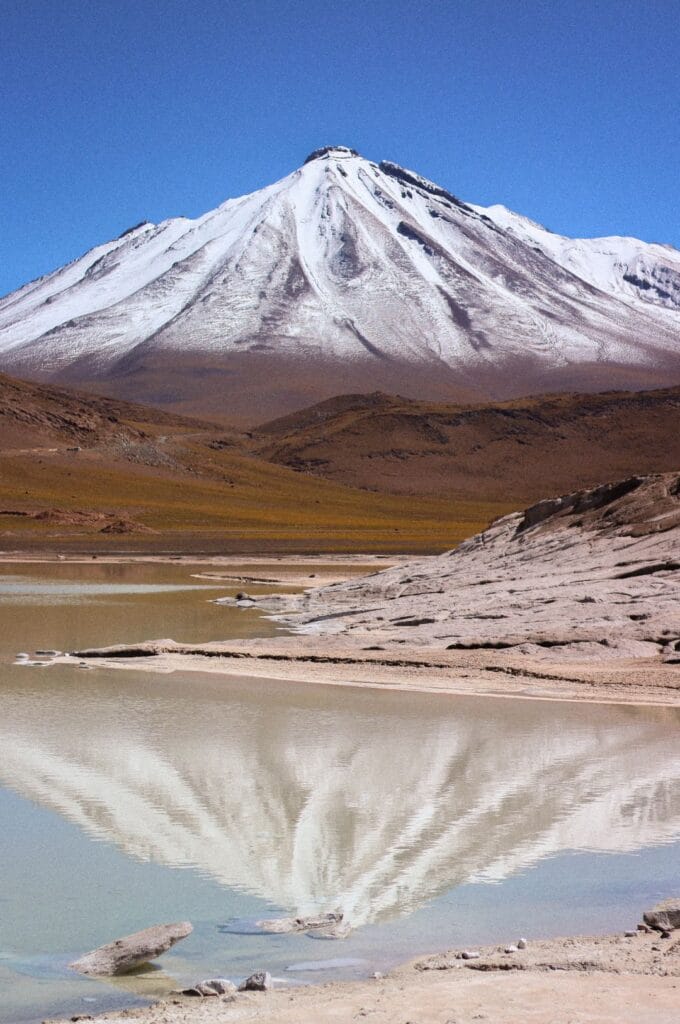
{"x": 591, "y": 575}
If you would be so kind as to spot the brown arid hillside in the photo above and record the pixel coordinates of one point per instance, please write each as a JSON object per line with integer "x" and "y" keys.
{"x": 514, "y": 452}
{"x": 84, "y": 473}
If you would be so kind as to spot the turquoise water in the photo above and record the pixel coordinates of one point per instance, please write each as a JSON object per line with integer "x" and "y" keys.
{"x": 129, "y": 798}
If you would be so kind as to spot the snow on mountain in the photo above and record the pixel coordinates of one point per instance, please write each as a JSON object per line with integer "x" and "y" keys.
{"x": 637, "y": 272}
{"x": 347, "y": 271}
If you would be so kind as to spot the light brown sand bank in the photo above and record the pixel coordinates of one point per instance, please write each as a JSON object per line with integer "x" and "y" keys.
{"x": 600, "y": 980}
{"x": 332, "y": 661}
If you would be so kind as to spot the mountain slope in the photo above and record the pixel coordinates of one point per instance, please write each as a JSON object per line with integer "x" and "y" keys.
{"x": 35, "y": 414}
{"x": 512, "y": 451}
{"x": 640, "y": 274}
{"x": 347, "y": 275}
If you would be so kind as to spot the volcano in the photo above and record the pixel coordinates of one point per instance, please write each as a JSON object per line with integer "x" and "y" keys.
{"x": 348, "y": 275}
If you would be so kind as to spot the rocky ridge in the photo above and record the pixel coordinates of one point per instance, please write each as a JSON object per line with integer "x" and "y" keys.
{"x": 591, "y": 575}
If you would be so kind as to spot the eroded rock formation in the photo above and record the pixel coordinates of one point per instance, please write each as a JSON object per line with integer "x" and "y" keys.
{"x": 588, "y": 575}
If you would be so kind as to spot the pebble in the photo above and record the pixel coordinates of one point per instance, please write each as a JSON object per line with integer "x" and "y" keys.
{"x": 521, "y": 943}
{"x": 511, "y": 949}
{"x": 23, "y": 656}
{"x": 470, "y": 954}
{"x": 630, "y": 934}
{"x": 644, "y": 928}
{"x": 48, "y": 654}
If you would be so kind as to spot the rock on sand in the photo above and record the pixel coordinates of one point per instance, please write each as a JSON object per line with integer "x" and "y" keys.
{"x": 665, "y": 916}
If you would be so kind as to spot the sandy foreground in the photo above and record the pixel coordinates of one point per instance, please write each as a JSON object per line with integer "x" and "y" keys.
{"x": 598, "y": 980}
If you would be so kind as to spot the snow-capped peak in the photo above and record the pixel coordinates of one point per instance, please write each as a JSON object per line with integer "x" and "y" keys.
{"x": 349, "y": 274}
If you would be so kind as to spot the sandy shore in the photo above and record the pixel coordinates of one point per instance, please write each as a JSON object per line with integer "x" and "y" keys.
{"x": 325, "y": 661}
{"x": 596, "y": 980}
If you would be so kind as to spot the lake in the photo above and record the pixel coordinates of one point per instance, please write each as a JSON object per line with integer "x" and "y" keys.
{"x": 130, "y": 798}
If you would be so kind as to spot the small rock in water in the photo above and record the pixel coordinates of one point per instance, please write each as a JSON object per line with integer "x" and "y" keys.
{"x": 210, "y": 987}
{"x": 521, "y": 943}
{"x": 22, "y": 656}
{"x": 48, "y": 654}
{"x": 470, "y": 954}
{"x": 261, "y": 981}
{"x": 125, "y": 954}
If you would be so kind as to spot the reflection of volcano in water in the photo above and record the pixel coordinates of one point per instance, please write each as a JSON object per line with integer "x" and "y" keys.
{"x": 373, "y": 803}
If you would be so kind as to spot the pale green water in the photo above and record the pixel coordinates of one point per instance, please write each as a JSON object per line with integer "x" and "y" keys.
{"x": 132, "y": 798}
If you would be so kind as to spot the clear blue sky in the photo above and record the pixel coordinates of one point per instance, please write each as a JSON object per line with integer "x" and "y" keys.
{"x": 115, "y": 111}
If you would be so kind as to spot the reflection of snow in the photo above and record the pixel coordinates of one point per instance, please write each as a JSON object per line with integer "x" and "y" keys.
{"x": 371, "y": 805}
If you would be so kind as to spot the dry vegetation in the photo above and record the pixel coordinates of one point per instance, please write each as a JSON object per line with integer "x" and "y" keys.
{"x": 146, "y": 481}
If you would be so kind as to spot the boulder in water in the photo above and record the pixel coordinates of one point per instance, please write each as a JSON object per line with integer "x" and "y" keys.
{"x": 125, "y": 954}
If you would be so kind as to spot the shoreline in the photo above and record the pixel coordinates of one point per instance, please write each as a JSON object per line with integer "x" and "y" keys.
{"x": 305, "y": 660}
{"x": 608, "y": 979}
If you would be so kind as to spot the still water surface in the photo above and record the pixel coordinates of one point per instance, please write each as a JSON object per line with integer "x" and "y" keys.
{"x": 131, "y": 798}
